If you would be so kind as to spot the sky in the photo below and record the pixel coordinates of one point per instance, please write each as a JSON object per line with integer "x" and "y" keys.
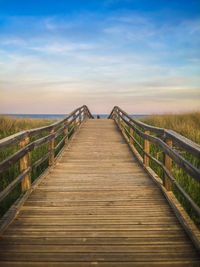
{"x": 141, "y": 55}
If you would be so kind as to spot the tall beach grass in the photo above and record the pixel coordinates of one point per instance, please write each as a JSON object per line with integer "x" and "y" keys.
{"x": 187, "y": 124}
{"x": 9, "y": 125}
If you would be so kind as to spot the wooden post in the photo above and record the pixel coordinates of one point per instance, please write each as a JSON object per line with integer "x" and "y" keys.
{"x": 118, "y": 118}
{"x": 66, "y": 131}
{"x": 123, "y": 124}
{"x": 74, "y": 116}
{"x": 168, "y": 165}
{"x": 83, "y": 114}
{"x": 80, "y": 117}
{"x": 115, "y": 116}
{"x": 131, "y": 133}
{"x": 24, "y": 164}
{"x": 51, "y": 149}
{"x": 146, "y": 149}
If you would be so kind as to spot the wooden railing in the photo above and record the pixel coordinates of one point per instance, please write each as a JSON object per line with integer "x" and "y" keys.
{"x": 165, "y": 140}
{"x": 67, "y": 126}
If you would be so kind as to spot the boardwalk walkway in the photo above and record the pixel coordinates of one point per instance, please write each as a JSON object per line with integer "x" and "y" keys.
{"x": 96, "y": 207}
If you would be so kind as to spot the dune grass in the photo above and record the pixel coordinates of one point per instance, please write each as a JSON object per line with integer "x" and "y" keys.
{"x": 9, "y": 126}
{"x": 187, "y": 125}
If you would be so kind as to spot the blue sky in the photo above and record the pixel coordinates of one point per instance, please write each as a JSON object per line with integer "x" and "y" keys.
{"x": 141, "y": 55}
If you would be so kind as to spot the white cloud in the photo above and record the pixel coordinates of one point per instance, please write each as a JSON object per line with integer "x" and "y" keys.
{"x": 12, "y": 41}
{"x": 62, "y": 48}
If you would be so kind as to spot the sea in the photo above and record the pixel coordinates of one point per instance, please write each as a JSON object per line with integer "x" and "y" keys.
{"x": 60, "y": 116}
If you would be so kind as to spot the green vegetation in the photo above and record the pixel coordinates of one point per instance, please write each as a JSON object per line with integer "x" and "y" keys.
{"x": 9, "y": 126}
{"x": 187, "y": 125}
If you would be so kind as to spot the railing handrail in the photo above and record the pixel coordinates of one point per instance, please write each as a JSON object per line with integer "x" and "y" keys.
{"x": 186, "y": 143}
{"x": 186, "y": 165}
{"x": 15, "y": 138}
{"x": 23, "y": 138}
{"x": 122, "y": 118}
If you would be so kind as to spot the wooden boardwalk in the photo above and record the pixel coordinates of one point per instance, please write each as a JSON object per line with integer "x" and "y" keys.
{"x": 97, "y": 207}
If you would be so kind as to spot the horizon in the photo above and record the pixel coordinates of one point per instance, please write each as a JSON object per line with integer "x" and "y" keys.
{"x": 100, "y": 113}
{"x": 141, "y": 55}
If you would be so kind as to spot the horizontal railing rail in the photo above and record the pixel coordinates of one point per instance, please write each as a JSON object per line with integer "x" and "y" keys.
{"x": 164, "y": 140}
{"x": 184, "y": 142}
{"x": 66, "y": 127}
{"x": 15, "y": 138}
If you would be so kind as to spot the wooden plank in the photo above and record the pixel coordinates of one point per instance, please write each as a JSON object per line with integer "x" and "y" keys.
{"x": 98, "y": 248}
{"x": 87, "y": 188}
{"x": 107, "y": 217}
{"x": 93, "y": 211}
{"x": 183, "y": 263}
{"x": 66, "y": 221}
{"x": 63, "y": 203}
{"x": 172, "y": 241}
{"x": 100, "y": 257}
{"x": 99, "y": 194}
{"x": 100, "y": 234}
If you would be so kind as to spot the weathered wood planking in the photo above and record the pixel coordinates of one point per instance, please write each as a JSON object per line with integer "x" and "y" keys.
{"x": 97, "y": 206}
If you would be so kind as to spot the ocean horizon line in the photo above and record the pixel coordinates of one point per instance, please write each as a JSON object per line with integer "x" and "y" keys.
{"x": 58, "y": 116}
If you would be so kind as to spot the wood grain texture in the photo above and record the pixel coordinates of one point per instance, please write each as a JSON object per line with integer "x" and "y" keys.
{"x": 168, "y": 166}
{"x": 51, "y": 149}
{"x": 24, "y": 165}
{"x": 146, "y": 149}
{"x": 97, "y": 206}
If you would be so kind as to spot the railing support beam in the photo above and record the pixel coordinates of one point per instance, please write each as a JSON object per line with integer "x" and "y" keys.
{"x": 24, "y": 164}
{"x": 146, "y": 149}
{"x": 80, "y": 117}
{"x": 168, "y": 165}
{"x": 66, "y": 131}
{"x": 131, "y": 134}
{"x": 118, "y": 118}
{"x": 115, "y": 115}
{"x": 123, "y": 124}
{"x": 75, "y": 121}
{"x": 51, "y": 149}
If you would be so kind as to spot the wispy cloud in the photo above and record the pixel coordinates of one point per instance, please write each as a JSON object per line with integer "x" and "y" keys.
{"x": 63, "y": 48}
